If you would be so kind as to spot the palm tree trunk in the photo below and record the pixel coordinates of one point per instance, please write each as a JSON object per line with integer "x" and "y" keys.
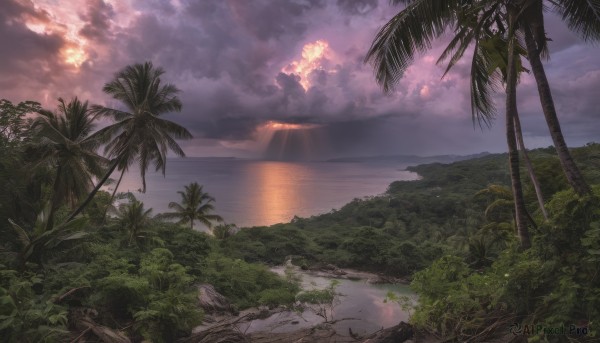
{"x": 569, "y": 167}
{"x": 513, "y": 153}
{"x": 529, "y": 165}
{"x": 112, "y": 197}
{"x": 54, "y": 204}
{"x": 94, "y": 191}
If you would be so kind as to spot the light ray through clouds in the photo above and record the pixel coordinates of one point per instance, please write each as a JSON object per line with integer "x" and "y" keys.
{"x": 282, "y": 78}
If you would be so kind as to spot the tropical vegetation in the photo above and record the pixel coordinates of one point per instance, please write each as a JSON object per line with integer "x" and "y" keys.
{"x": 195, "y": 205}
{"x": 496, "y": 29}
{"x": 484, "y": 247}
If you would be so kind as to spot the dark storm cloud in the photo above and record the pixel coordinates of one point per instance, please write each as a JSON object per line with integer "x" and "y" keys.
{"x": 271, "y": 20}
{"x": 357, "y": 7}
{"x": 28, "y": 60}
{"x": 234, "y": 62}
{"x": 97, "y": 17}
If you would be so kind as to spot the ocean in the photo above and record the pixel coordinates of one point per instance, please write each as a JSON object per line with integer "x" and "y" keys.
{"x": 256, "y": 193}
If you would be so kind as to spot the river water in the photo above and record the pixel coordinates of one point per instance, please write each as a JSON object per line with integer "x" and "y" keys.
{"x": 360, "y": 300}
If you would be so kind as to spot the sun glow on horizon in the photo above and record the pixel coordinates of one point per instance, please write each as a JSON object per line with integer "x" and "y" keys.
{"x": 275, "y": 125}
{"x": 290, "y": 141}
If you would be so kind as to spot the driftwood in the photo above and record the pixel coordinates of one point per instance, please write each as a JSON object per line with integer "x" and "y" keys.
{"x": 223, "y": 332}
{"x": 227, "y": 332}
{"x": 395, "y": 334}
{"x": 81, "y": 319}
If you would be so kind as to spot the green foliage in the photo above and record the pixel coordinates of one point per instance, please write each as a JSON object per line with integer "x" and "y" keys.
{"x": 134, "y": 218}
{"x": 248, "y": 284}
{"x": 407, "y": 304}
{"x": 147, "y": 287}
{"x": 275, "y": 297}
{"x": 196, "y": 205}
{"x": 13, "y": 123}
{"x": 321, "y": 301}
{"x": 224, "y": 231}
{"x": 27, "y": 316}
{"x": 170, "y": 309}
{"x": 553, "y": 284}
{"x": 95, "y": 210}
{"x": 158, "y": 295}
{"x": 20, "y": 189}
{"x": 35, "y": 245}
{"x": 189, "y": 247}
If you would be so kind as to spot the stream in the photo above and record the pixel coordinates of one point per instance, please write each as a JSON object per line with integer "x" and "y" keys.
{"x": 360, "y": 300}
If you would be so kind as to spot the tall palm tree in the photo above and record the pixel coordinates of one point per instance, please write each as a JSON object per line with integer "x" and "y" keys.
{"x": 64, "y": 141}
{"x": 529, "y": 165}
{"x": 140, "y": 134}
{"x": 195, "y": 205}
{"x": 583, "y": 17}
{"x": 481, "y": 23}
{"x": 511, "y": 138}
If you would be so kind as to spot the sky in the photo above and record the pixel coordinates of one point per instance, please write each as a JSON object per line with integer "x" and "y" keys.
{"x": 281, "y": 78}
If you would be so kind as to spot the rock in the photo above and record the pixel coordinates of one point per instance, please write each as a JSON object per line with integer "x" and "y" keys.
{"x": 338, "y": 272}
{"x": 212, "y": 301}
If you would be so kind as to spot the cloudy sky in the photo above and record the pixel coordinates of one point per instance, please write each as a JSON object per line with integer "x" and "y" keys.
{"x": 279, "y": 78}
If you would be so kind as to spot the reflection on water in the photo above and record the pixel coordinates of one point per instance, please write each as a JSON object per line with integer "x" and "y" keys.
{"x": 276, "y": 188}
{"x": 362, "y": 301}
{"x": 250, "y": 193}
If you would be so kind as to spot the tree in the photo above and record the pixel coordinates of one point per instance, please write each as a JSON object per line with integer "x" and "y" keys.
{"x": 583, "y": 17}
{"x": 224, "y": 231}
{"x": 195, "y": 205}
{"x": 17, "y": 198}
{"x": 34, "y": 245}
{"x": 511, "y": 138}
{"x": 64, "y": 140}
{"x": 140, "y": 134}
{"x": 134, "y": 218}
{"x": 482, "y": 23}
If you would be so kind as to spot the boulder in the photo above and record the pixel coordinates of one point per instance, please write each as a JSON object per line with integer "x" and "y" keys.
{"x": 212, "y": 301}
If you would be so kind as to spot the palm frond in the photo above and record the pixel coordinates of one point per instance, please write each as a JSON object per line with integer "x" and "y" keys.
{"x": 22, "y": 235}
{"x": 581, "y": 16}
{"x": 408, "y": 33}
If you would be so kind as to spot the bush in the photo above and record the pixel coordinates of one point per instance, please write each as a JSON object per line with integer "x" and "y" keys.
{"x": 244, "y": 284}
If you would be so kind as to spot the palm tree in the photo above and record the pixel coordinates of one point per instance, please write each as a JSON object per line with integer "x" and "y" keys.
{"x": 583, "y": 17}
{"x": 195, "y": 205}
{"x": 65, "y": 143}
{"x": 511, "y": 137}
{"x": 133, "y": 217}
{"x": 482, "y": 23}
{"x": 529, "y": 165}
{"x": 224, "y": 231}
{"x": 34, "y": 245}
{"x": 140, "y": 134}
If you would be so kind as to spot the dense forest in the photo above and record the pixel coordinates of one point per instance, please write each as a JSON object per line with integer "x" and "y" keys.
{"x": 453, "y": 234}
{"x": 123, "y": 274}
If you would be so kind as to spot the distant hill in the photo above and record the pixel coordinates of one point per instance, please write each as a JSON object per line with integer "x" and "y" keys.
{"x": 409, "y": 159}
